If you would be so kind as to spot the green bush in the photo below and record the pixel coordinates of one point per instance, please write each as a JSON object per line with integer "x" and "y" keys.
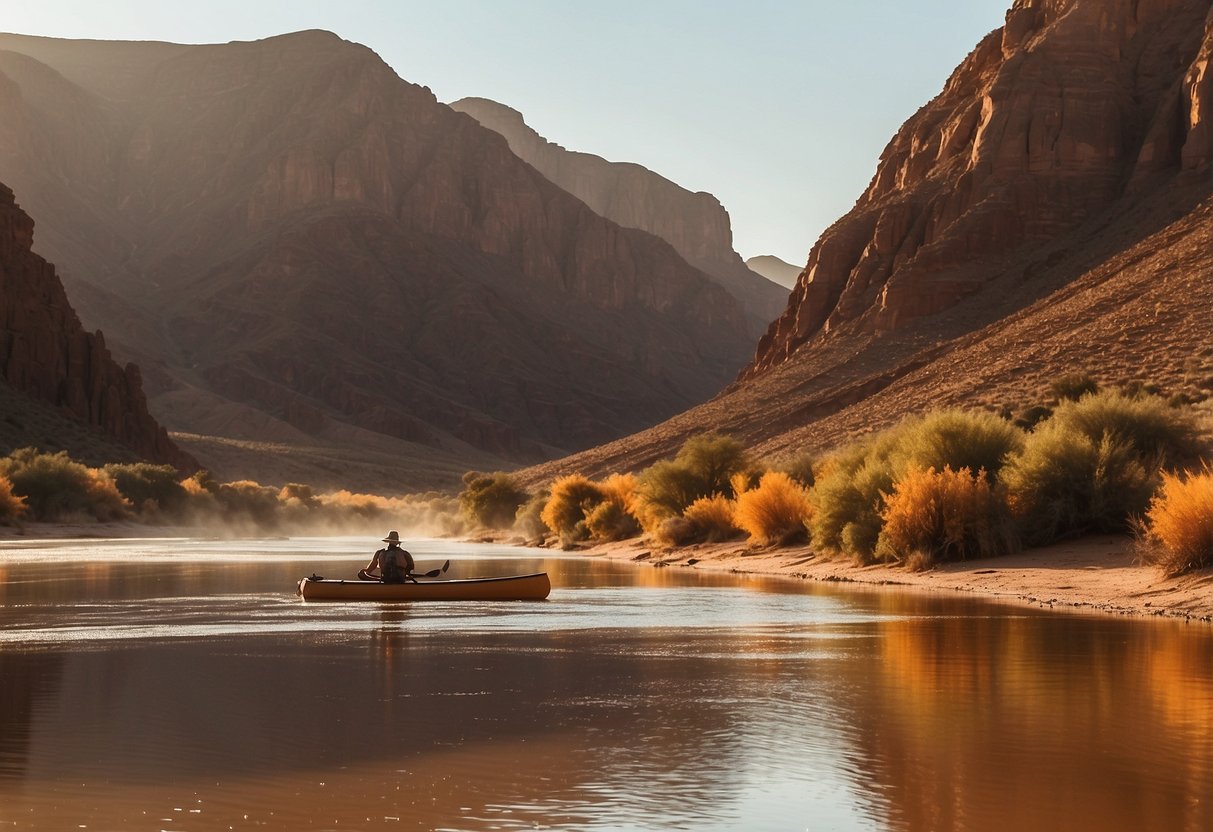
{"x": 1066, "y": 483}
{"x": 246, "y": 501}
{"x": 491, "y": 500}
{"x": 55, "y": 487}
{"x": 609, "y": 520}
{"x": 1073, "y": 386}
{"x": 705, "y": 465}
{"x": 713, "y": 459}
{"x": 851, "y": 487}
{"x": 1030, "y": 417}
{"x": 149, "y": 488}
{"x": 1158, "y": 434}
{"x": 527, "y": 519}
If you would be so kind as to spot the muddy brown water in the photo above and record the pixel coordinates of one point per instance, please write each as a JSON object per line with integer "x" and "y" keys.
{"x": 181, "y": 685}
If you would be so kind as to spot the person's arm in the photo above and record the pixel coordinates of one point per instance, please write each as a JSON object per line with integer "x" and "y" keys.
{"x": 374, "y": 564}
{"x": 409, "y": 563}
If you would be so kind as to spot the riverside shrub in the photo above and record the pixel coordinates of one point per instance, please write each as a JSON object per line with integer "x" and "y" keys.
{"x": 776, "y": 511}
{"x": 12, "y": 506}
{"x": 705, "y": 465}
{"x": 934, "y": 516}
{"x": 1158, "y": 434}
{"x": 491, "y": 500}
{"x": 151, "y": 489}
{"x": 712, "y": 519}
{"x": 55, "y": 487}
{"x": 851, "y": 486}
{"x": 1178, "y": 526}
{"x": 1065, "y": 483}
{"x": 573, "y": 497}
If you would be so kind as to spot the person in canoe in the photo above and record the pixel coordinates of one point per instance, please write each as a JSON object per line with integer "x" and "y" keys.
{"x": 395, "y": 565}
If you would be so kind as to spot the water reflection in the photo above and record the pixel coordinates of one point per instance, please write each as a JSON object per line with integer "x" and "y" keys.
{"x": 202, "y": 694}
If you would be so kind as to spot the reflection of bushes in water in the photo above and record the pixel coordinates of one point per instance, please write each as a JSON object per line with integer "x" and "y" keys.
{"x": 55, "y": 487}
{"x": 934, "y": 516}
{"x": 12, "y": 506}
{"x": 1177, "y": 533}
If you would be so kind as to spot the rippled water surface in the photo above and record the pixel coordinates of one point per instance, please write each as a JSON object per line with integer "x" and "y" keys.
{"x": 182, "y": 685}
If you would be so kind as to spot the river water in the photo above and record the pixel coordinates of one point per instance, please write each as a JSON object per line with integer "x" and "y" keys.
{"x": 181, "y": 685}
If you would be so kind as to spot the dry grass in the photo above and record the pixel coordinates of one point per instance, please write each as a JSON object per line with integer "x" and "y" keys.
{"x": 1178, "y": 528}
{"x": 776, "y": 511}
{"x": 934, "y": 516}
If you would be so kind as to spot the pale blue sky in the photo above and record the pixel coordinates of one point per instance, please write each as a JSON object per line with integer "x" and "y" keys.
{"x": 780, "y": 109}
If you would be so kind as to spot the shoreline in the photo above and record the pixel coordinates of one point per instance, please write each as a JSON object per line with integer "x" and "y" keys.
{"x": 1098, "y": 574}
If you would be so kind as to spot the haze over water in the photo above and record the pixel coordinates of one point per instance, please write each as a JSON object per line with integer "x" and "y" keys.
{"x": 181, "y": 685}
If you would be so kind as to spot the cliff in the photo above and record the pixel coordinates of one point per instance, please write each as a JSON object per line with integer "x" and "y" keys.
{"x": 47, "y": 355}
{"x": 1050, "y": 212}
{"x": 1072, "y": 107}
{"x": 300, "y": 247}
{"x": 695, "y": 224}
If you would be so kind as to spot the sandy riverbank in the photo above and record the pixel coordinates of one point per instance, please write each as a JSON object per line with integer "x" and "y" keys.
{"x": 1095, "y": 574}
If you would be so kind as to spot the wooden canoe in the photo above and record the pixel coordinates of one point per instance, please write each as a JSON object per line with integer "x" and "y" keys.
{"x": 512, "y": 588}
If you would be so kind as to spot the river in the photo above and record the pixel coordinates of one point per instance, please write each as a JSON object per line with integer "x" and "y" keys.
{"x": 181, "y": 685}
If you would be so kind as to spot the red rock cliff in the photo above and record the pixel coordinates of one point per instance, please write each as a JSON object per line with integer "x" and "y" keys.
{"x": 1070, "y": 107}
{"x": 45, "y": 352}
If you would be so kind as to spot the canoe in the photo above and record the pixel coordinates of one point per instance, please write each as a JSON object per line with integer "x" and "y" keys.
{"x": 512, "y": 588}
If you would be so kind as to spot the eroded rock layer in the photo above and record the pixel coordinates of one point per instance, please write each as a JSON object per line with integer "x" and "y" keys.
{"x": 45, "y": 353}
{"x": 1072, "y": 108}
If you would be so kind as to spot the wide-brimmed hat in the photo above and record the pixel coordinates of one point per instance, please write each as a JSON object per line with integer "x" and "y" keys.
{"x": 392, "y": 537}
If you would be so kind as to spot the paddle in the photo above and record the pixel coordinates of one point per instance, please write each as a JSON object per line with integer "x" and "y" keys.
{"x": 433, "y": 573}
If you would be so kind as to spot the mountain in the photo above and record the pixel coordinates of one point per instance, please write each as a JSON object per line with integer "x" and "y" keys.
{"x": 695, "y": 224}
{"x": 774, "y": 270}
{"x": 60, "y": 387}
{"x": 1049, "y": 212}
{"x": 311, "y": 257}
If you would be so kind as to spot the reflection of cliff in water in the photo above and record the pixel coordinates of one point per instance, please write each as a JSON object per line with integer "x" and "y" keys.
{"x": 26, "y": 681}
{"x": 1030, "y": 722}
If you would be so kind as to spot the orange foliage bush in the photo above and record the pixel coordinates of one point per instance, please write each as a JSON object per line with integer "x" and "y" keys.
{"x": 1179, "y": 524}
{"x": 11, "y": 505}
{"x": 944, "y": 515}
{"x": 711, "y": 518}
{"x": 573, "y": 497}
{"x": 776, "y": 511}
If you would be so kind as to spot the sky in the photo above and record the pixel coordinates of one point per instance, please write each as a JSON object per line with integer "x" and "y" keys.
{"x": 780, "y": 108}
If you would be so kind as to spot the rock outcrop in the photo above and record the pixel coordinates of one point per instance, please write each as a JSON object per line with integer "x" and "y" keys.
{"x": 1050, "y": 212}
{"x": 46, "y": 354}
{"x": 695, "y": 224}
{"x": 1070, "y": 108}
{"x": 286, "y": 227}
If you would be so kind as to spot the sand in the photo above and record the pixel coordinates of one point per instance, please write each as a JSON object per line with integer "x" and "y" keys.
{"x": 1093, "y": 574}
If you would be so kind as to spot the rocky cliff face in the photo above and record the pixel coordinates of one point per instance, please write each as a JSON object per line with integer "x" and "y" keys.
{"x": 45, "y": 353}
{"x": 695, "y": 224}
{"x": 287, "y": 226}
{"x": 1072, "y": 108}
